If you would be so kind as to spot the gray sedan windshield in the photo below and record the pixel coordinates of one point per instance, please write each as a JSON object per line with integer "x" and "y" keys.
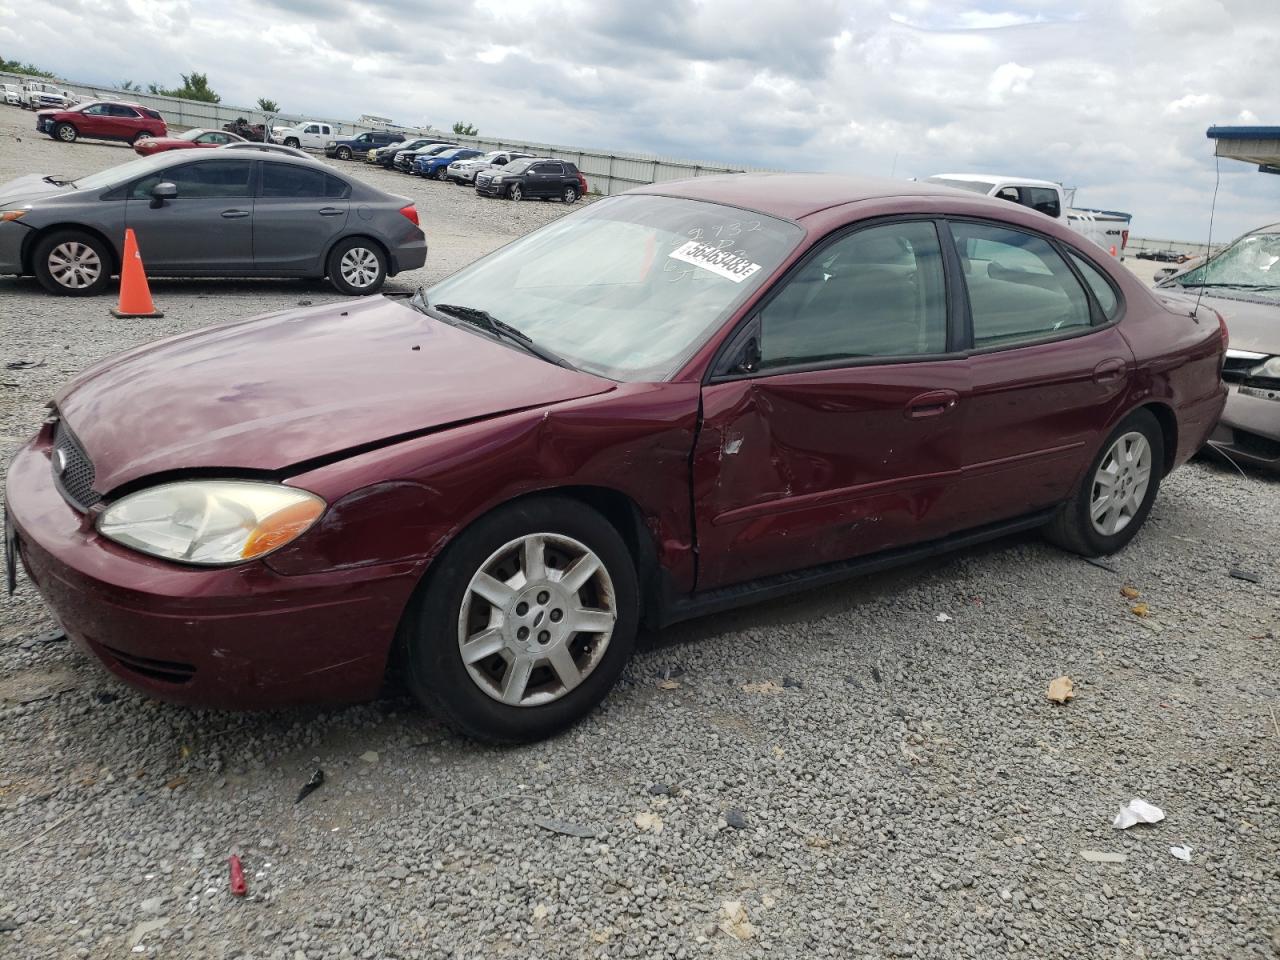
{"x": 1252, "y": 262}
{"x": 629, "y": 287}
{"x": 112, "y": 176}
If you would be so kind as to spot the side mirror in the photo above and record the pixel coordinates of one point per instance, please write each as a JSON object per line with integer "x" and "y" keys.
{"x": 162, "y": 191}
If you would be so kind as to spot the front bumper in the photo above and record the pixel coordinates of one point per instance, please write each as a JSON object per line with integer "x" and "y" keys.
{"x": 12, "y": 236}
{"x": 490, "y": 188}
{"x": 242, "y": 637}
{"x": 1250, "y": 426}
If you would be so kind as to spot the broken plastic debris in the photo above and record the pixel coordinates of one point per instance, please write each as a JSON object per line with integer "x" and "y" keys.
{"x": 1102, "y": 856}
{"x": 1182, "y": 852}
{"x": 238, "y": 887}
{"x": 943, "y": 618}
{"x": 649, "y": 822}
{"x": 565, "y": 827}
{"x": 311, "y": 786}
{"x": 1061, "y": 690}
{"x": 734, "y": 920}
{"x": 1138, "y": 811}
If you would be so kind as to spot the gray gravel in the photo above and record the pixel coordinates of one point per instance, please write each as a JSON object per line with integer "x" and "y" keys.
{"x": 909, "y": 791}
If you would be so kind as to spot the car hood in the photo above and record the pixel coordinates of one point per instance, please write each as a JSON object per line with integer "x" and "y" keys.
{"x": 274, "y": 391}
{"x": 28, "y": 188}
{"x": 1251, "y": 325}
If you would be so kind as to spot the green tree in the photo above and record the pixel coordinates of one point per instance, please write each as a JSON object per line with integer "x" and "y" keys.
{"x": 268, "y": 106}
{"x": 26, "y": 69}
{"x": 195, "y": 86}
{"x": 130, "y": 86}
{"x": 465, "y": 129}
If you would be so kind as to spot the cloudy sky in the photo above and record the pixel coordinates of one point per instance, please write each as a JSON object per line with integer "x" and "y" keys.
{"x": 1110, "y": 96}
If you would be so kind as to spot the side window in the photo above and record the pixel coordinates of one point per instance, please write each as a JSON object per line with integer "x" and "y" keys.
{"x": 1020, "y": 290}
{"x": 97, "y": 110}
{"x": 1103, "y": 292}
{"x": 1008, "y": 193}
{"x": 213, "y": 137}
{"x": 1042, "y": 199}
{"x": 311, "y": 128}
{"x": 879, "y": 292}
{"x": 196, "y": 181}
{"x": 127, "y": 112}
{"x": 287, "y": 180}
{"x": 335, "y": 189}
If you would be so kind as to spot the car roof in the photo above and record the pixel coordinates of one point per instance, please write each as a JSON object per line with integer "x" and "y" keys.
{"x": 997, "y": 178}
{"x": 791, "y": 196}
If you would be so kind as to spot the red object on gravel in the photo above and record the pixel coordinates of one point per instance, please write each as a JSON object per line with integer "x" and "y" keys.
{"x": 238, "y": 887}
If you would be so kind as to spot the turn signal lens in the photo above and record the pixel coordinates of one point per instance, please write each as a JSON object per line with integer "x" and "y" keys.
{"x": 12, "y": 215}
{"x": 210, "y": 522}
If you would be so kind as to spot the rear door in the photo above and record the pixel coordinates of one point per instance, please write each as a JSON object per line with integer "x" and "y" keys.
{"x": 299, "y": 210}
{"x": 846, "y": 436}
{"x": 207, "y": 230}
{"x": 544, "y": 179}
{"x": 126, "y": 122}
{"x": 1049, "y": 368}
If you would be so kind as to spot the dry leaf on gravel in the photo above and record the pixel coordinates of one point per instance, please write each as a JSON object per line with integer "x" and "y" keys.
{"x": 649, "y": 822}
{"x": 1141, "y": 610}
{"x": 1061, "y": 690}
{"x": 734, "y": 920}
{"x": 1129, "y": 593}
{"x": 764, "y": 686}
{"x": 668, "y": 684}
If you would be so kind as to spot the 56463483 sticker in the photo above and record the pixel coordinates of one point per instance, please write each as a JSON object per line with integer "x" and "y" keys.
{"x": 723, "y": 263}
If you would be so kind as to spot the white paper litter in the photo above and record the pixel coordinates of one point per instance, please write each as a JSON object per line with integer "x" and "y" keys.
{"x": 1102, "y": 856}
{"x": 1138, "y": 811}
{"x": 943, "y": 618}
{"x": 1182, "y": 852}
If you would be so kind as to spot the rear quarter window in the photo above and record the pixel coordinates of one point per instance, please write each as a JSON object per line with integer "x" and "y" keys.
{"x": 1102, "y": 289}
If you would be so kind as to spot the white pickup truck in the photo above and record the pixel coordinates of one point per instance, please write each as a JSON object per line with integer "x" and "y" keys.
{"x": 39, "y": 95}
{"x": 1109, "y": 229}
{"x": 309, "y": 135}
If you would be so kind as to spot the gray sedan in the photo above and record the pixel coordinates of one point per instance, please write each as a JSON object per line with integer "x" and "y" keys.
{"x": 219, "y": 214}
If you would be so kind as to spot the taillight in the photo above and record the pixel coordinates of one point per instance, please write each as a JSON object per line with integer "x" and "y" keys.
{"x": 1222, "y": 326}
{"x": 1124, "y": 239}
{"x": 582, "y": 181}
{"x": 411, "y": 212}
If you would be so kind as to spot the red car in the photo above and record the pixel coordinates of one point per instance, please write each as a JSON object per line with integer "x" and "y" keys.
{"x": 102, "y": 120}
{"x": 191, "y": 140}
{"x": 684, "y": 398}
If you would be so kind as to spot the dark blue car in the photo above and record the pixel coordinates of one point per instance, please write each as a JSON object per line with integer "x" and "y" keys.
{"x": 436, "y": 168}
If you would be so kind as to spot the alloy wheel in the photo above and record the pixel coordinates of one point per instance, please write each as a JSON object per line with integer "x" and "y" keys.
{"x": 1120, "y": 484}
{"x": 536, "y": 619}
{"x": 359, "y": 266}
{"x": 67, "y": 133}
{"x": 74, "y": 265}
{"x": 516, "y": 193}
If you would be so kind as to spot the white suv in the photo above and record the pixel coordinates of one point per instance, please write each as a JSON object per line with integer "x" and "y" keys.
{"x": 38, "y": 95}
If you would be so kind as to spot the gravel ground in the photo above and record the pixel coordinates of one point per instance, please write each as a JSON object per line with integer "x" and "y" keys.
{"x": 856, "y": 773}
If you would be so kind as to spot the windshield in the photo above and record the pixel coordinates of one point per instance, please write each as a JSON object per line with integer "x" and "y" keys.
{"x": 1252, "y": 262}
{"x": 973, "y": 186}
{"x": 629, "y": 287}
{"x": 112, "y": 176}
{"x": 191, "y": 134}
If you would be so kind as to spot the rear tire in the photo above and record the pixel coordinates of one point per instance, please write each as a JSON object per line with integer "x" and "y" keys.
{"x": 540, "y": 674}
{"x": 569, "y": 194}
{"x": 65, "y": 132}
{"x": 140, "y": 136}
{"x": 1112, "y": 502}
{"x": 357, "y": 267}
{"x": 73, "y": 263}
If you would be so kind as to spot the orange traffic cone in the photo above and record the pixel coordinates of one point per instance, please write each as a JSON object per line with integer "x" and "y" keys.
{"x": 135, "y": 294}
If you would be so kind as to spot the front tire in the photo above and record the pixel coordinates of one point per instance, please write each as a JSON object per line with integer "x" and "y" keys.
{"x": 292, "y": 142}
{"x": 72, "y": 263}
{"x": 65, "y": 132}
{"x": 344, "y": 153}
{"x": 1117, "y": 492}
{"x": 525, "y": 622}
{"x": 515, "y": 193}
{"x": 442, "y": 175}
{"x": 357, "y": 267}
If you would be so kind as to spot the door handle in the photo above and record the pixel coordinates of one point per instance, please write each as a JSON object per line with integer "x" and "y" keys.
{"x": 932, "y": 404}
{"x": 1109, "y": 370}
{"x": 330, "y": 211}
{"x": 234, "y": 214}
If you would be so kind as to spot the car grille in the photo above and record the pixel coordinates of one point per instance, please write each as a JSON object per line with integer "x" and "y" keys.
{"x": 72, "y": 469}
{"x": 482, "y": 179}
{"x": 166, "y": 671}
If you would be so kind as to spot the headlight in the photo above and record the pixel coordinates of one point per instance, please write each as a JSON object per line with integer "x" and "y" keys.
{"x": 1270, "y": 368}
{"x": 211, "y": 522}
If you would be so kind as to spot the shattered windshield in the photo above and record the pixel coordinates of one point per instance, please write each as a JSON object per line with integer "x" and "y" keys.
{"x": 1251, "y": 263}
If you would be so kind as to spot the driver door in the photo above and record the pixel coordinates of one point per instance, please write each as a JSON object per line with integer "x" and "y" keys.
{"x": 207, "y": 230}
{"x": 844, "y": 434}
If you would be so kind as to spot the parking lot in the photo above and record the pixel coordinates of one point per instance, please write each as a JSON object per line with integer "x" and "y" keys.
{"x": 871, "y": 769}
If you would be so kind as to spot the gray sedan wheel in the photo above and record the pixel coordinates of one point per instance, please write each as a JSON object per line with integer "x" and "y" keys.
{"x": 72, "y": 263}
{"x": 357, "y": 267}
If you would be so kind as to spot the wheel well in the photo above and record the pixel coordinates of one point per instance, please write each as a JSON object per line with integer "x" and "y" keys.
{"x": 29, "y": 245}
{"x": 386, "y": 254}
{"x": 1169, "y": 432}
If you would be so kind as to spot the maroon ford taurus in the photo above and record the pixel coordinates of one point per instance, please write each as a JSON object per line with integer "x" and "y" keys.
{"x": 687, "y": 397}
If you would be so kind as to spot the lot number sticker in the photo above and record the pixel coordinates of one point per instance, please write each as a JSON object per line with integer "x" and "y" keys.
{"x": 723, "y": 263}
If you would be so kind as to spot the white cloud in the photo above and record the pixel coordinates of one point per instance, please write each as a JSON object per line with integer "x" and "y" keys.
{"x": 1009, "y": 79}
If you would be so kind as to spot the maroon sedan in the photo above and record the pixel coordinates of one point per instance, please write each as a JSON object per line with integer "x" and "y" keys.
{"x": 691, "y": 396}
{"x": 191, "y": 140}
